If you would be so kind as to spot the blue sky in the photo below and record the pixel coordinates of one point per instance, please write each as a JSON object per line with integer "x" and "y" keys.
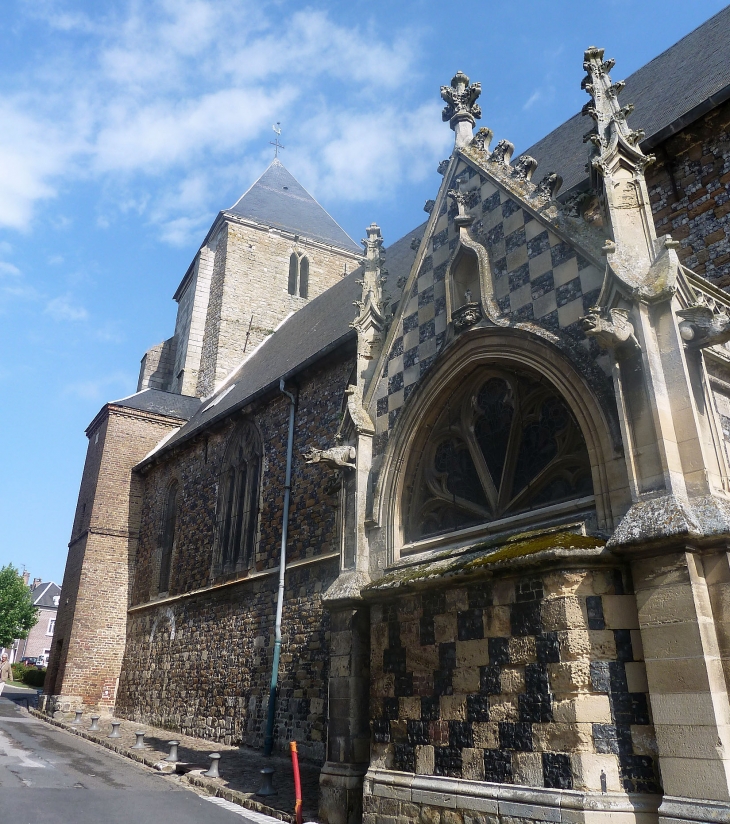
{"x": 126, "y": 126}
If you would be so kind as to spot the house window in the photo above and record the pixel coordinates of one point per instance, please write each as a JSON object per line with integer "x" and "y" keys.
{"x": 499, "y": 445}
{"x": 238, "y": 507}
{"x": 298, "y": 275}
{"x": 51, "y": 626}
{"x": 167, "y": 541}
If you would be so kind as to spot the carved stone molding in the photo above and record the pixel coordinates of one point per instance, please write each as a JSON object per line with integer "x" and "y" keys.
{"x": 611, "y": 328}
{"x": 466, "y": 316}
{"x": 337, "y": 457}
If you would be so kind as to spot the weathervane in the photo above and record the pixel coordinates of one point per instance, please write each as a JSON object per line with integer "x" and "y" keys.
{"x": 275, "y": 143}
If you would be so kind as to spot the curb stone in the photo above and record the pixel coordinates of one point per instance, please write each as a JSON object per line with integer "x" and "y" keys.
{"x": 211, "y": 786}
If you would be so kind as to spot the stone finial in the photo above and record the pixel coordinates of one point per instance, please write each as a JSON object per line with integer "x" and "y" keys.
{"x": 461, "y": 109}
{"x": 524, "y": 167}
{"x": 371, "y": 304}
{"x": 463, "y": 200}
{"x": 502, "y": 152}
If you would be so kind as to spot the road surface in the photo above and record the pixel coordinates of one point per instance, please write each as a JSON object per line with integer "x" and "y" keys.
{"x": 48, "y": 775}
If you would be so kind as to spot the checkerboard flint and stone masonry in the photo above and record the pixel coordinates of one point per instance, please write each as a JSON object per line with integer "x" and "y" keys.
{"x": 537, "y": 278}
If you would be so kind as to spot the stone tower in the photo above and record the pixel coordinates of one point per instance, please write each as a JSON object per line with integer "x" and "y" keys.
{"x": 265, "y": 257}
{"x": 262, "y": 259}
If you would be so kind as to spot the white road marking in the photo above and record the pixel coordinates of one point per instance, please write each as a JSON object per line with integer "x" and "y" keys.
{"x": 11, "y": 751}
{"x": 250, "y": 815}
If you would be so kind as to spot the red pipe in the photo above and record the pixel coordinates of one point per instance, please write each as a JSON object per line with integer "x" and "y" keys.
{"x": 297, "y": 782}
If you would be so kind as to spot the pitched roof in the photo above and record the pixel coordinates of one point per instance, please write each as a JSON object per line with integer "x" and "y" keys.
{"x": 315, "y": 330}
{"x": 161, "y": 403}
{"x": 44, "y": 593}
{"x": 668, "y": 93}
{"x": 277, "y": 199}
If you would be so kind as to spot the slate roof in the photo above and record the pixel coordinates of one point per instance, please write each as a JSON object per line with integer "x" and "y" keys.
{"x": 311, "y": 333}
{"x": 277, "y": 199}
{"x": 43, "y": 595}
{"x": 669, "y": 92}
{"x": 161, "y": 403}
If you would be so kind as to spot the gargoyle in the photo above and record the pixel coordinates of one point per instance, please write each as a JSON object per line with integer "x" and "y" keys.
{"x": 611, "y": 328}
{"x": 701, "y": 326}
{"x": 336, "y": 457}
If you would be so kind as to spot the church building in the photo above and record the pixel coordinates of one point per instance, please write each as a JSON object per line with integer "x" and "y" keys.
{"x": 493, "y": 458}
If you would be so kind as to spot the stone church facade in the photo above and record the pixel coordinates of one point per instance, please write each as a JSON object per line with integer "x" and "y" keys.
{"x": 499, "y": 471}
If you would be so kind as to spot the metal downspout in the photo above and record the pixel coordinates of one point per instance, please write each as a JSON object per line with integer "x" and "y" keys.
{"x": 269, "y": 738}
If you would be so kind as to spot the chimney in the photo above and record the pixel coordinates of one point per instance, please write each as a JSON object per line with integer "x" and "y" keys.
{"x": 36, "y": 581}
{"x": 26, "y": 577}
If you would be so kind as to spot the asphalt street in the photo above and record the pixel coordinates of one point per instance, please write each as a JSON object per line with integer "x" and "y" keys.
{"x": 48, "y": 775}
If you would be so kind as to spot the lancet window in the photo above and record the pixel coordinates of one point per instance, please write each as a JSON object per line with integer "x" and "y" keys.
{"x": 238, "y": 505}
{"x": 299, "y": 275}
{"x": 167, "y": 536}
{"x": 503, "y": 444}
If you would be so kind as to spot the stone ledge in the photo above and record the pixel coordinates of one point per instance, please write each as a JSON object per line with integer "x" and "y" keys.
{"x": 526, "y": 803}
{"x": 674, "y": 809}
{"x": 211, "y": 786}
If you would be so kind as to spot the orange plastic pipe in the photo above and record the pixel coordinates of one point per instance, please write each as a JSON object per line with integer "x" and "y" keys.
{"x": 297, "y": 782}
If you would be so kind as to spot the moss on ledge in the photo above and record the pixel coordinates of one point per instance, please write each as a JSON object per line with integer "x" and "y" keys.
{"x": 484, "y": 556}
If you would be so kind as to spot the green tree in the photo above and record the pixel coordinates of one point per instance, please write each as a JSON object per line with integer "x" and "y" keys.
{"x": 17, "y": 613}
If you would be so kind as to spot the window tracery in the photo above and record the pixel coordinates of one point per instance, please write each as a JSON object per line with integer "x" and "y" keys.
{"x": 503, "y": 444}
{"x": 238, "y": 508}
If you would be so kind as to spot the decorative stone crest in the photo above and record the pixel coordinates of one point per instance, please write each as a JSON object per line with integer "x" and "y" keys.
{"x": 549, "y": 186}
{"x": 428, "y": 206}
{"x": 337, "y": 457}
{"x": 703, "y": 325}
{"x": 443, "y": 166}
{"x": 482, "y": 139}
{"x": 611, "y": 328}
{"x": 461, "y": 109}
{"x": 524, "y": 167}
{"x": 502, "y": 152}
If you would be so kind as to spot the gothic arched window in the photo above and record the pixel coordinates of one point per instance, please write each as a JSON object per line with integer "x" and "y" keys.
{"x": 304, "y": 277}
{"x": 298, "y": 275}
{"x": 501, "y": 444}
{"x": 238, "y": 506}
{"x": 167, "y": 541}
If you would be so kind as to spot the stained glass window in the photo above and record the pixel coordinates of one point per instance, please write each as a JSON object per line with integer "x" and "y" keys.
{"x": 502, "y": 444}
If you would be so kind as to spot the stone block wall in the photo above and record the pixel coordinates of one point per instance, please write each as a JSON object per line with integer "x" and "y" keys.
{"x": 534, "y": 680}
{"x": 212, "y": 678}
{"x": 156, "y": 369}
{"x": 689, "y": 188}
{"x": 250, "y": 278}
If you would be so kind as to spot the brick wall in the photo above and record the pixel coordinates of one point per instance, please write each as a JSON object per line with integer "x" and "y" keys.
{"x": 38, "y": 639}
{"x": 90, "y": 628}
{"x": 689, "y": 188}
{"x": 536, "y": 680}
{"x": 212, "y": 678}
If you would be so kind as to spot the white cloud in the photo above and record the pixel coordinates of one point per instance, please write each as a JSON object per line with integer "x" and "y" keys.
{"x": 532, "y": 99}
{"x": 63, "y": 308}
{"x": 159, "y": 90}
{"x": 8, "y": 269}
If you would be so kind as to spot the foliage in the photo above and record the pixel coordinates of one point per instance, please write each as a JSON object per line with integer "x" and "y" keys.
{"x": 34, "y": 677}
{"x": 17, "y": 613}
{"x": 19, "y": 671}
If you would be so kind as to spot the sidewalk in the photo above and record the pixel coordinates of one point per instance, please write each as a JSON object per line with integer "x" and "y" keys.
{"x": 239, "y": 766}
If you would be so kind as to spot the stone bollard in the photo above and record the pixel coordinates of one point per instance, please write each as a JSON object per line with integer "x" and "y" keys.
{"x": 212, "y": 771}
{"x": 172, "y": 757}
{"x": 267, "y": 788}
{"x": 139, "y": 744}
{"x": 115, "y": 730}
{"x": 77, "y": 720}
{"x": 94, "y": 723}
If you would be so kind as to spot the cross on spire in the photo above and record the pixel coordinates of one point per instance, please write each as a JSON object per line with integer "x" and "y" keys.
{"x": 275, "y": 143}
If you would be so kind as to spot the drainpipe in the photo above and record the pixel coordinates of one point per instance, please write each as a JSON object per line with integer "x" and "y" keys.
{"x": 269, "y": 737}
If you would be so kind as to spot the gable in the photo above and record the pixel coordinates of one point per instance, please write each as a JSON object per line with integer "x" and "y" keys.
{"x": 540, "y": 280}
